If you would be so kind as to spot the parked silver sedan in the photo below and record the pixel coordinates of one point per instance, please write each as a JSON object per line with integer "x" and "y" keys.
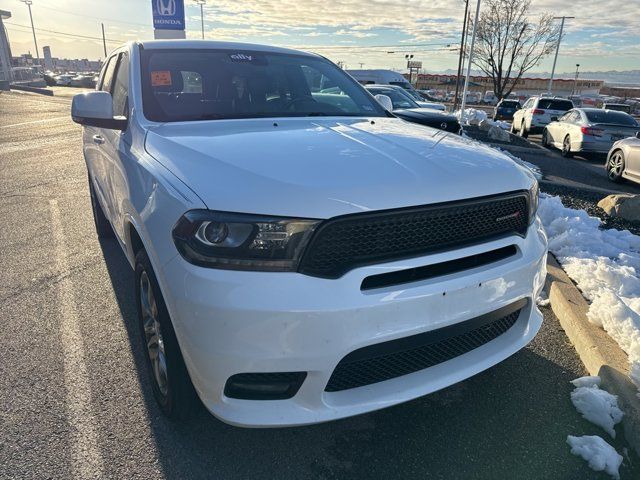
{"x": 588, "y": 130}
{"x": 623, "y": 160}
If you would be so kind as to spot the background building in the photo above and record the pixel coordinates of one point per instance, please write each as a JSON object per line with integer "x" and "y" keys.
{"x": 524, "y": 86}
{"x": 5, "y": 53}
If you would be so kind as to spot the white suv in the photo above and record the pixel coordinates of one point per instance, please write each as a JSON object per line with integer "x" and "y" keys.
{"x": 537, "y": 113}
{"x": 300, "y": 254}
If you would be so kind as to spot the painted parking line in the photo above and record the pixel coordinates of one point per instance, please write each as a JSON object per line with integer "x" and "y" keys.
{"x": 36, "y": 121}
{"x": 85, "y": 454}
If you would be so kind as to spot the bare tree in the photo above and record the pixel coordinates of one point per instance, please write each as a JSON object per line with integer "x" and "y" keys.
{"x": 508, "y": 43}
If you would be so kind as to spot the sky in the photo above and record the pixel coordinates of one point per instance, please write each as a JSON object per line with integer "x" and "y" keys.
{"x": 605, "y": 35}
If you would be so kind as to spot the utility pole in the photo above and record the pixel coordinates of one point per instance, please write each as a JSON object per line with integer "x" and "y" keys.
{"x": 555, "y": 59}
{"x": 104, "y": 42}
{"x": 464, "y": 32}
{"x": 575, "y": 82}
{"x": 466, "y": 80}
{"x": 201, "y": 3}
{"x": 35, "y": 41}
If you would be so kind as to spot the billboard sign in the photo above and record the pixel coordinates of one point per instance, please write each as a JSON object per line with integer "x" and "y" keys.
{"x": 168, "y": 14}
{"x": 414, "y": 64}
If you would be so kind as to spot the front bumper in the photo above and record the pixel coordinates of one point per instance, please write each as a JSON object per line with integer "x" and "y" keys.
{"x": 231, "y": 322}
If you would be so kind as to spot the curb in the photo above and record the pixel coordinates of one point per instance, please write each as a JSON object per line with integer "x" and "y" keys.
{"x": 599, "y": 353}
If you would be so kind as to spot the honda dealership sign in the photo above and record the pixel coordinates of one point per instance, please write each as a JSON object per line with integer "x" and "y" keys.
{"x": 168, "y": 18}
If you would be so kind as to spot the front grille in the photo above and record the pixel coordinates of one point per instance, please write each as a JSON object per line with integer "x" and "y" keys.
{"x": 347, "y": 242}
{"x": 395, "y": 358}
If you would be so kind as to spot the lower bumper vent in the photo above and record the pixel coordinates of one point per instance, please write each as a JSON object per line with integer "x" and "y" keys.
{"x": 395, "y": 358}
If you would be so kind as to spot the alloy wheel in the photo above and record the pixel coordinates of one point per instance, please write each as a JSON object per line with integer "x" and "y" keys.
{"x": 153, "y": 334}
{"x": 616, "y": 164}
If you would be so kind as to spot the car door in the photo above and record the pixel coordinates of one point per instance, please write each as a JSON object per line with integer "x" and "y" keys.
{"x": 117, "y": 146}
{"x": 555, "y": 129}
{"x": 93, "y": 140}
{"x": 633, "y": 158}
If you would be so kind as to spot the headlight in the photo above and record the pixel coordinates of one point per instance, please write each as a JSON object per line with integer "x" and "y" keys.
{"x": 534, "y": 193}
{"x": 240, "y": 241}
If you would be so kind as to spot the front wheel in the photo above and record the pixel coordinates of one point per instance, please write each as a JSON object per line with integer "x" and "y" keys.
{"x": 171, "y": 384}
{"x": 615, "y": 166}
{"x": 523, "y": 131}
{"x": 545, "y": 139}
{"x": 566, "y": 147}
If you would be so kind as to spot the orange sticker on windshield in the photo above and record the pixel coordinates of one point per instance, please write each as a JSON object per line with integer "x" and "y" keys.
{"x": 161, "y": 78}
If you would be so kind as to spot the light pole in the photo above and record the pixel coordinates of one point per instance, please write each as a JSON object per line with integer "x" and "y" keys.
{"x": 201, "y": 3}
{"x": 575, "y": 82}
{"x": 462, "y": 40}
{"x": 466, "y": 79}
{"x": 29, "y": 3}
{"x": 555, "y": 59}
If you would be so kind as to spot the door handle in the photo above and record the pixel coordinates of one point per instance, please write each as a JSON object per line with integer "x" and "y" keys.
{"x": 98, "y": 139}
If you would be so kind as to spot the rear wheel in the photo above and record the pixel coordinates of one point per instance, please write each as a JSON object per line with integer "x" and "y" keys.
{"x": 103, "y": 227}
{"x": 172, "y": 387}
{"x": 513, "y": 128}
{"x": 566, "y": 147}
{"x": 615, "y": 166}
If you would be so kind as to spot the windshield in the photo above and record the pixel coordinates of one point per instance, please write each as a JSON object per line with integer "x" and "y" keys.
{"x": 551, "y": 104}
{"x": 204, "y": 84}
{"x": 407, "y": 88}
{"x": 615, "y": 118}
{"x": 397, "y": 99}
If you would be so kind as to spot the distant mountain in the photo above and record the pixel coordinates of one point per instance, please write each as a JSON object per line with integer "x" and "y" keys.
{"x": 628, "y": 77}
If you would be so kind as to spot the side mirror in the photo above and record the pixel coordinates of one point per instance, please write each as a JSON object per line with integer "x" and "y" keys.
{"x": 95, "y": 109}
{"x": 385, "y": 101}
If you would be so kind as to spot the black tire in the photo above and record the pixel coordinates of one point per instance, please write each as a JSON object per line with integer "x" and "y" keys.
{"x": 513, "y": 128}
{"x": 615, "y": 166}
{"x": 523, "y": 130}
{"x": 176, "y": 397}
{"x": 566, "y": 147}
{"x": 545, "y": 139}
{"x": 103, "y": 227}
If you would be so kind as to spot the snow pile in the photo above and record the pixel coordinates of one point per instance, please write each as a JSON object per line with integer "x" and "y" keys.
{"x": 587, "y": 381}
{"x": 599, "y": 454}
{"x": 605, "y": 264}
{"x": 597, "y": 406}
{"x": 543, "y": 299}
{"x": 471, "y": 116}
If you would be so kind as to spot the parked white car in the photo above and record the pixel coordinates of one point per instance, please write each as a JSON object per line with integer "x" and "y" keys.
{"x": 588, "y": 130}
{"x": 302, "y": 256}
{"x": 537, "y": 113}
{"x": 623, "y": 161}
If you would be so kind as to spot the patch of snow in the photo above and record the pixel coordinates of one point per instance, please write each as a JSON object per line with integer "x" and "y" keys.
{"x": 598, "y": 406}
{"x": 543, "y": 299}
{"x": 588, "y": 381}
{"x": 471, "y": 116}
{"x": 605, "y": 265}
{"x": 598, "y": 453}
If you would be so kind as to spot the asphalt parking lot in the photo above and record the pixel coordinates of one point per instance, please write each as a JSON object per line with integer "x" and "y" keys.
{"x": 76, "y": 402}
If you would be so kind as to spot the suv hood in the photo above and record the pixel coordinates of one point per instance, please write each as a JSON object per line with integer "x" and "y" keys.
{"x": 321, "y": 168}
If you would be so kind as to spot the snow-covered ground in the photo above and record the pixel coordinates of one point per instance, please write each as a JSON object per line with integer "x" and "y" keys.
{"x": 605, "y": 265}
{"x": 473, "y": 116}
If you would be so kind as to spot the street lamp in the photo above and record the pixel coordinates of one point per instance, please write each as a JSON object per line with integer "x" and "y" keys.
{"x": 575, "y": 82}
{"x": 29, "y": 3}
{"x": 201, "y": 3}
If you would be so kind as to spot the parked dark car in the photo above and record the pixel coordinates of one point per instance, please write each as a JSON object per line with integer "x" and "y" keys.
{"x": 410, "y": 111}
{"x": 505, "y": 109}
{"x": 620, "y": 107}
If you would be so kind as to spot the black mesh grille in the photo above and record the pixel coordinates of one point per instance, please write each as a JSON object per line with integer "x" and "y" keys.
{"x": 395, "y": 358}
{"x": 344, "y": 243}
